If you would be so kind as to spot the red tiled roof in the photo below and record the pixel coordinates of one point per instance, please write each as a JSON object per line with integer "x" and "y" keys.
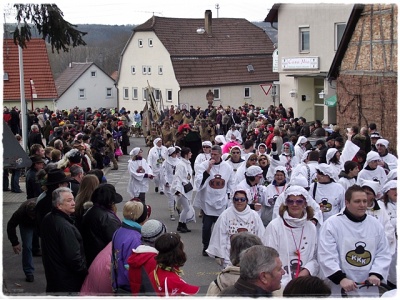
{"x": 70, "y": 75}
{"x": 229, "y": 36}
{"x": 223, "y": 70}
{"x": 36, "y": 67}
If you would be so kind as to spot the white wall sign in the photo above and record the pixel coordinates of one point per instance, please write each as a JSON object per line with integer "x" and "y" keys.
{"x": 275, "y": 61}
{"x": 309, "y": 63}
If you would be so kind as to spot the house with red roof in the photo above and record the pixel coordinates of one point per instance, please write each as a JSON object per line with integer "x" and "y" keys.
{"x": 36, "y": 67}
{"x": 182, "y": 59}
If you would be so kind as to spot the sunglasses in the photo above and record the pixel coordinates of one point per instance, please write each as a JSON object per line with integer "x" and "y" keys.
{"x": 253, "y": 159}
{"x": 235, "y": 152}
{"x": 292, "y": 202}
{"x": 241, "y": 199}
{"x": 262, "y": 159}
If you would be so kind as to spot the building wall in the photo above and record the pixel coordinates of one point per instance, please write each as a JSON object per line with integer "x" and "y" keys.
{"x": 36, "y": 104}
{"x": 154, "y": 56}
{"x": 321, "y": 19}
{"x": 229, "y": 95}
{"x": 367, "y": 84}
{"x": 95, "y": 92}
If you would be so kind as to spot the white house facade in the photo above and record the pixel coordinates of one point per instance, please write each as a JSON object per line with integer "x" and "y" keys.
{"x": 308, "y": 37}
{"x": 85, "y": 85}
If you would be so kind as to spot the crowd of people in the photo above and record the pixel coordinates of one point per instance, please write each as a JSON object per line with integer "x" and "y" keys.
{"x": 284, "y": 203}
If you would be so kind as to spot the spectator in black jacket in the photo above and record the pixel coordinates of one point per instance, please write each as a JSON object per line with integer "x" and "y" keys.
{"x": 63, "y": 255}
{"x": 35, "y": 137}
{"x": 25, "y": 218}
{"x": 33, "y": 187}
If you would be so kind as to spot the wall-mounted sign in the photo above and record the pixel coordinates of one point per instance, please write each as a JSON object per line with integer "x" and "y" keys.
{"x": 275, "y": 61}
{"x": 308, "y": 63}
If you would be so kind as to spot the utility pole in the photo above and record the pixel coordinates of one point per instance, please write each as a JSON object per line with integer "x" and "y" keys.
{"x": 217, "y": 8}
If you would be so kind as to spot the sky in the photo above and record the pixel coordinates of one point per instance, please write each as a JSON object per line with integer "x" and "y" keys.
{"x": 120, "y": 12}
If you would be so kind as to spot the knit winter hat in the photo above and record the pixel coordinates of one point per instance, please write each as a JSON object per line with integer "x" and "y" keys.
{"x": 382, "y": 142}
{"x": 151, "y": 230}
{"x": 372, "y": 155}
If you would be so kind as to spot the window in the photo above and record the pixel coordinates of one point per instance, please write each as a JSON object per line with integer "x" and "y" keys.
{"x": 160, "y": 70}
{"x": 169, "y": 95}
{"x": 145, "y": 94}
{"x": 134, "y": 93}
{"x": 150, "y": 42}
{"x": 133, "y": 70}
{"x": 148, "y": 70}
{"x": 247, "y": 92}
{"x": 126, "y": 93}
{"x": 82, "y": 94}
{"x": 339, "y": 31}
{"x": 140, "y": 43}
{"x": 93, "y": 73}
{"x": 157, "y": 94}
{"x": 109, "y": 92}
{"x": 304, "y": 39}
{"x": 144, "y": 70}
{"x": 217, "y": 95}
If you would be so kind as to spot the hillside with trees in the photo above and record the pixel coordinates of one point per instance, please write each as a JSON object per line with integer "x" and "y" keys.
{"x": 104, "y": 45}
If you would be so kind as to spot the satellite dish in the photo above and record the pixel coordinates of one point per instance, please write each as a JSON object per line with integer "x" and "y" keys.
{"x": 200, "y": 30}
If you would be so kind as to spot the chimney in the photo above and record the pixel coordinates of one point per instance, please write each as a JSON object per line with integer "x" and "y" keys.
{"x": 208, "y": 22}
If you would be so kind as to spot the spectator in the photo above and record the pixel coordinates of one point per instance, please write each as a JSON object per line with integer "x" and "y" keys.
{"x": 25, "y": 218}
{"x": 142, "y": 260}
{"x": 63, "y": 255}
{"x": 35, "y": 137}
{"x": 260, "y": 273}
{"x": 77, "y": 176}
{"x": 170, "y": 258}
{"x": 375, "y": 136}
{"x": 239, "y": 242}
{"x": 125, "y": 239}
{"x": 33, "y": 187}
{"x": 100, "y": 222}
{"x": 83, "y": 198}
{"x": 309, "y": 287}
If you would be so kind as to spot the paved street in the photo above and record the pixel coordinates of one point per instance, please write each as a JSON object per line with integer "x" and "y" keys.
{"x": 198, "y": 270}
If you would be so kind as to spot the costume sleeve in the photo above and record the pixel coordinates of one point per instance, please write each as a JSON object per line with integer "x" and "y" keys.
{"x": 328, "y": 252}
{"x": 132, "y": 167}
{"x": 381, "y": 261}
{"x": 219, "y": 238}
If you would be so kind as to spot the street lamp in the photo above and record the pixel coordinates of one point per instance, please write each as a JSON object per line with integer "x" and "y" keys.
{"x": 321, "y": 94}
{"x": 292, "y": 93}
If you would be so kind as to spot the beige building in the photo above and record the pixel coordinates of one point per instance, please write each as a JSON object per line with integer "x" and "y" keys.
{"x": 308, "y": 37}
{"x": 181, "y": 59}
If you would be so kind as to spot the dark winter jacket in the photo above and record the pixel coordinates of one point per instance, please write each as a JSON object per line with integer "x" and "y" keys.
{"x": 98, "y": 227}
{"x": 63, "y": 254}
{"x": 33, "y": 188}
{"x": 21, "y": 217}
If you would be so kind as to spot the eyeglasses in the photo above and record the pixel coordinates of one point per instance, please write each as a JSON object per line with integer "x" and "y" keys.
{"x": 292, "y": 202}
{"x": 242, "y": 199}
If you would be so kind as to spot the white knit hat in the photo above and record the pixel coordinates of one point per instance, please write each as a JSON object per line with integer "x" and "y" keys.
{"x": 372, "y": 155}
{"x": 382, "y": 142}
{"x": 151, "y": 230}
{"x": 206, "y": 143}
